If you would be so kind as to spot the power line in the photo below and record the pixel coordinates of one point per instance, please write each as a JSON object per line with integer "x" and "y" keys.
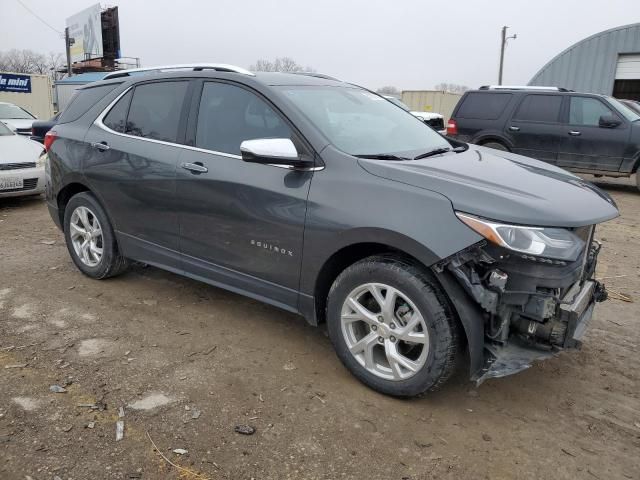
{"x": 38, "y": 17}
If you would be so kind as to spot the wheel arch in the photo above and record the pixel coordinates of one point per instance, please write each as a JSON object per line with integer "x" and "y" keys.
{"x": 65, "y": 194}
{"x": 481, "y": 140}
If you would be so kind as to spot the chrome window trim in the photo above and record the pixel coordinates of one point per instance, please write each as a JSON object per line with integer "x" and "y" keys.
{"x": 99, "y": 122}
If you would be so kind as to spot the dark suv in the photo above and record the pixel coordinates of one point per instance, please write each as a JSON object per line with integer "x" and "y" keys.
{"x": 581, "y": 132}
{"x": 324, "y": 199}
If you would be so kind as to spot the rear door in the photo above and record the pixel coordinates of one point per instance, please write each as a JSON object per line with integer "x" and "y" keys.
{"x": 588, "y": 146}
{"x": 535, "y": 129}
{"x": 241, "y": 224}
{"x": 132, "y": 168}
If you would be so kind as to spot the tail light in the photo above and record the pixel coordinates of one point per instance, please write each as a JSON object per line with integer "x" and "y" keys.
{"x": 49, "y": 138}
{"x": 452, "y": 127}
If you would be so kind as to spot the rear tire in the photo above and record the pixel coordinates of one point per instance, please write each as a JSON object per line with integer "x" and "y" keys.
{"x": 496, "y": 146}
{"x": 90, "y": 238}
{"x": 392, "y": 326}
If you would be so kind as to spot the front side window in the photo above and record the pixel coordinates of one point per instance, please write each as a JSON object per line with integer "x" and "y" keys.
{"x": 155, "y": 110}
{"x": 117, "y": 116}
{"x": 539, "y": 108}
{"x": 229, "y": 115}
{"x": 359, "y": 122}
{"x": 14, "y": 112}
{"x": 587, "y": 111}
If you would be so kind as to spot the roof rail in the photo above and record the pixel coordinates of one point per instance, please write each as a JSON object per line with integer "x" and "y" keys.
{"x": 523, "y": 87}
{"x": 317, "y": 75}
{"x": 196, "y": 67}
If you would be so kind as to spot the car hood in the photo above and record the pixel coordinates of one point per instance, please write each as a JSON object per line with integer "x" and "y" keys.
{"x": 503, "y": 186}
{"x": 17, "y": 122}
{"x": 17, "y": 149}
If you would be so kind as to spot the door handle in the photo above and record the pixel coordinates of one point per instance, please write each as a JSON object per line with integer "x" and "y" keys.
{"x": 514, "y": 129}
{"x": 102, "y": 146}
{"x": 195, "y": 168}
{"x": 575, "y": 133}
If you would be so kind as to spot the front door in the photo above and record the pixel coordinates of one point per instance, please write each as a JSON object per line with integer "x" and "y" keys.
{"x": 241, "y": 224}
{"x": 133, "y": 168}
{"x": 535, "y": 130}
{"x": 588, "y": 146}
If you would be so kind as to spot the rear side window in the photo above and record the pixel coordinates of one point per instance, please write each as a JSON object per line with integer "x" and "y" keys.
{"x": 83, "y": 100}
{"x": 117, "y": 116}
{"x": 483, "y": 106}
{"x": 228, "y": 115}
{"x": 539, "y": 108}
{"x": 155, "y": 110}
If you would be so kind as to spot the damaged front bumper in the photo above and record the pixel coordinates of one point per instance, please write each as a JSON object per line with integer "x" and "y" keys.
{"x": 516, "y": 309}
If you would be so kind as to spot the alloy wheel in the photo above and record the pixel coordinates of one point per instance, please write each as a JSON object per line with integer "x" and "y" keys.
{"x": 384, "y": 331}
{"x": 86, "y": 236}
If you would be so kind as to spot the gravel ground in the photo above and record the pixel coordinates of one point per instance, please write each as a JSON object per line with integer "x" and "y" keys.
{"x": 188, "y": 363}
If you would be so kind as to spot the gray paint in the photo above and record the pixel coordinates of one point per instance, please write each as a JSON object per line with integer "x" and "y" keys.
{"x": 590, "y": 65}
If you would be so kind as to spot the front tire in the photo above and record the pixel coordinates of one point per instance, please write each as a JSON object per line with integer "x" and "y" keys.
{"x": 90, "y": 238}
{"x": 392, "y": 326}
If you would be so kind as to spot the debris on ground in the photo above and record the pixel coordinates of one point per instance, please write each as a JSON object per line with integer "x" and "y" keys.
{"x": 57, "y": 389}
{"x": 119, "y": 430}
{"x": 16, "y": 365}
{"x": 180, "y": 451}
{"x": 289, "y": 366}
{"x": 244, "y": 429}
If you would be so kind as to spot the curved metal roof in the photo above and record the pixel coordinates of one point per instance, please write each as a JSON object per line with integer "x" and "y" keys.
{"x": 590, "y": 64}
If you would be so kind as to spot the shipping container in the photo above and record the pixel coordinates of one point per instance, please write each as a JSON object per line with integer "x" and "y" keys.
{"x": 29, "y": 91}
{"x": 431, "y": 101}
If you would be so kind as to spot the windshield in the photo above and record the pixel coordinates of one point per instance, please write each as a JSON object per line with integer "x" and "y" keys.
{"x": 359, "y": 122}
{"x": 4, "y": 130}
{"x": 624, "y": 110}
{"x": 397, "y": 102}
{"x": 7, "y": 111}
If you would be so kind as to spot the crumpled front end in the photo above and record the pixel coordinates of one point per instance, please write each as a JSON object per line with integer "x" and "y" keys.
{"x": 530, "y": 307}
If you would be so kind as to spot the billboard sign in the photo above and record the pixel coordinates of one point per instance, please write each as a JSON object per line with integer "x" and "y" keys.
{"x": 85, "y": 28}
{"x": 10, "y": 82}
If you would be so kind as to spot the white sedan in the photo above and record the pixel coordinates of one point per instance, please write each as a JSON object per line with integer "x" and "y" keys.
{"x": 21, "y": 165}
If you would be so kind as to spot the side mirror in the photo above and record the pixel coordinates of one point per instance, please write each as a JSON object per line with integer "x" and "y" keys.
{"x": 272, "y": 151}
{"x": 609, "y": 121}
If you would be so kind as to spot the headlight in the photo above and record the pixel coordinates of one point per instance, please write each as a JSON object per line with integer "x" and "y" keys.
{"x": 42, "y": 159}
{"x": 556, "y": 243}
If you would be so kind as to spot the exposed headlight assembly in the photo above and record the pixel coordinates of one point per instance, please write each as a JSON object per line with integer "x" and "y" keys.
{"x": 555, "y": 243}
{"x": 42, "y": 159}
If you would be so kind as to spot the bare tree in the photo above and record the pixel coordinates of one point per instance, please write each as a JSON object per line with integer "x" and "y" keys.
{"x": 451, "y": 87}
{"x": 388, "y": 90}
{"x": 280, "y": 64}
{"x": 28, "y": 61}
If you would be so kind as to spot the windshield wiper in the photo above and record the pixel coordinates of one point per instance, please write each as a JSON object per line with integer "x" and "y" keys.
{"x": 438, "y": 151}
{"x": 382, "y": 156}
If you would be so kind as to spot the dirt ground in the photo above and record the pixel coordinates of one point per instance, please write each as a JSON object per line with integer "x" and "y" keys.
{"x": 189, "y": 362}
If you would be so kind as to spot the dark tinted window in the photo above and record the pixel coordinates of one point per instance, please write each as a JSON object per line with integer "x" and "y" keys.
{"x": 117, "y": 116}
{"x": 483, "y": 106}
{"x": 539, "y": 108}
{"x": 155, "y": 110}
{"x": 587, "y": 111}
{"x": 83, "y": 100}
{"x": 228, "y": 115}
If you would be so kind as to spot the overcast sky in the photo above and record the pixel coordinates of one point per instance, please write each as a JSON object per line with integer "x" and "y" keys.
{"x": 411, "y": 44}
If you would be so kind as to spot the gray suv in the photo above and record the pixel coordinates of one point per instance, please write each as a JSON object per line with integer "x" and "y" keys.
{"x": 325, "y": 199}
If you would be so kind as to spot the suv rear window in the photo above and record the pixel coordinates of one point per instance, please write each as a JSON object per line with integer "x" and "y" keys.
{"x": 83, "y": 100}
{"x": 483, "y": 106}
{"x": 539, "y": 108}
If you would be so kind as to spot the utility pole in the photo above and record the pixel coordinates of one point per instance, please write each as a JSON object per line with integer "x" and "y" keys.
{"x": 68, "y": 42}
{"x": 503, "y": 45}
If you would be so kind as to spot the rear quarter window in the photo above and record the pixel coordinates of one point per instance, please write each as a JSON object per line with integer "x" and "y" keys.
{"x": 483, "y": 106}
{"x": 83, "y": 100}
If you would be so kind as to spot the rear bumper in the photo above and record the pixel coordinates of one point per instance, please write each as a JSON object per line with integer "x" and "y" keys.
{"x": 33, "y": 180}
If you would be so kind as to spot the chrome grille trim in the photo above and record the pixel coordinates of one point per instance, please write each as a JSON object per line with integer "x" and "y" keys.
{"x": 17, "y": 166}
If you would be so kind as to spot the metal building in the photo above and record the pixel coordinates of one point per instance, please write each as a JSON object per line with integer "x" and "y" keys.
{"x": 607, "y": 62}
